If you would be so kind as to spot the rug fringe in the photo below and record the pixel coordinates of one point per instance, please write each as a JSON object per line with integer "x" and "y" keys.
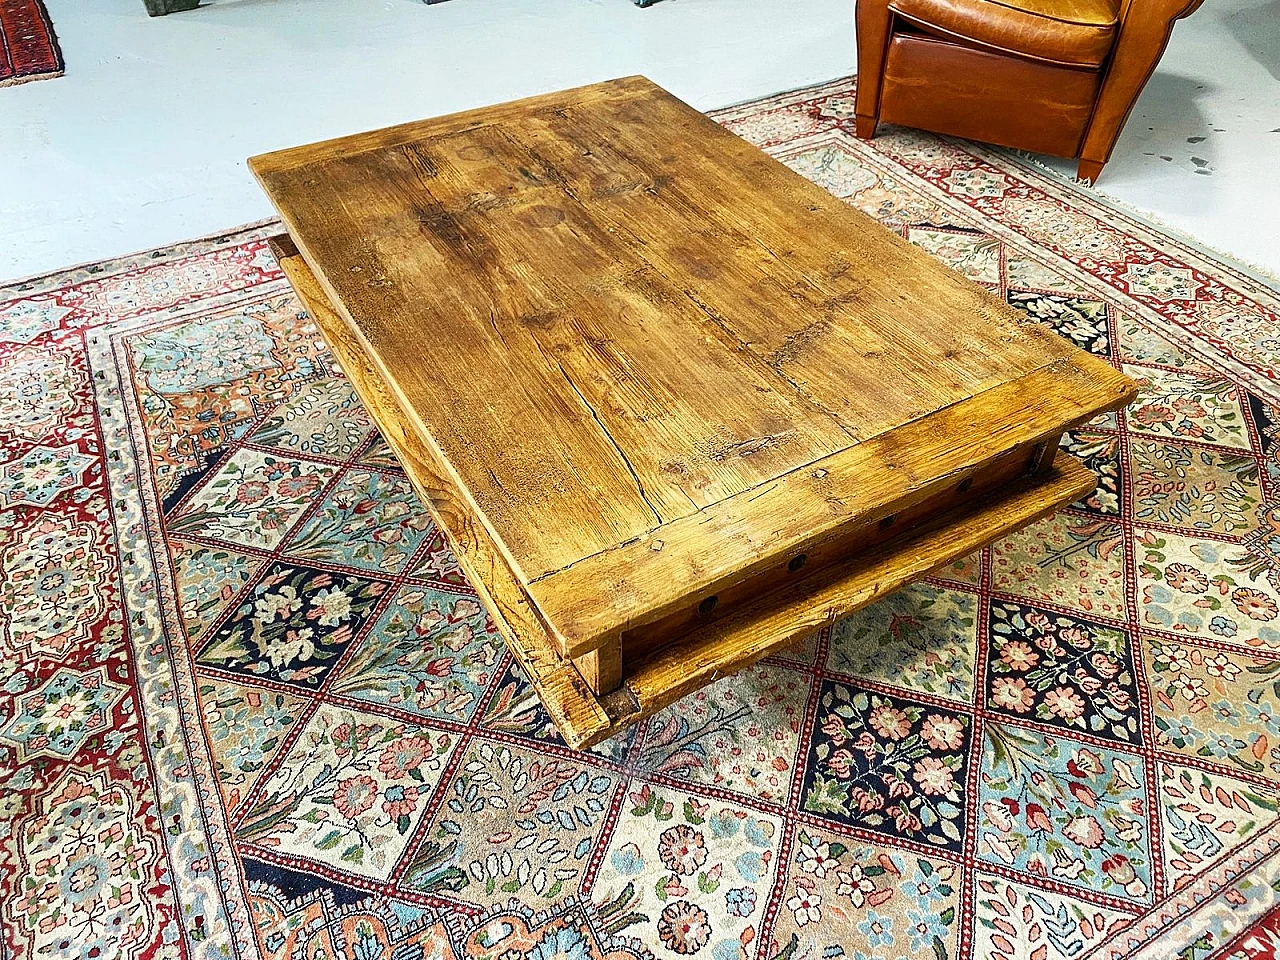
{"x": 31, "y": 77}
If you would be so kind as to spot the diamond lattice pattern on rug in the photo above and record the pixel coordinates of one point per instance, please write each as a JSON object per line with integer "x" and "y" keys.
{"x": 249, "y": 702}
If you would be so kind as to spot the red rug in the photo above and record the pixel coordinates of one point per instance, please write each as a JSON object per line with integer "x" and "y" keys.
{"x": 251, "y": 709}
{"x": 28, "y": 48}
{"x": 1259, "y": 942}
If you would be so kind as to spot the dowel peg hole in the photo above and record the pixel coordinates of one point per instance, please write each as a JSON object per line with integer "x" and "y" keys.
{"x": 798, "y": 561}
{"x": 707, "y": 605}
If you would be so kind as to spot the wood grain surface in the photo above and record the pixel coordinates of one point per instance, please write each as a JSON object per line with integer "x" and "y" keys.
{"x": 653, "y": 367}
{"x": 713, "y": 650}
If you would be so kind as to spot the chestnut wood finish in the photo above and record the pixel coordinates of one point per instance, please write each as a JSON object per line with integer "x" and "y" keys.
{"x": 673, "y": 405}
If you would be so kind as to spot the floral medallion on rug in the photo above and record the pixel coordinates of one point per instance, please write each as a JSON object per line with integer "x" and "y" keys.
{"x": 249, "y": 707}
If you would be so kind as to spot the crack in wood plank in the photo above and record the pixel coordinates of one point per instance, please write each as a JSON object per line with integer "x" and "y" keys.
{"x": 746, "y": 347}
{"x": 644, "y": 495}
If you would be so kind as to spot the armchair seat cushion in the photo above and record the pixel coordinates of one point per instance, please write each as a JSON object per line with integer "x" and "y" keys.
{"x": 1076, "y": 33}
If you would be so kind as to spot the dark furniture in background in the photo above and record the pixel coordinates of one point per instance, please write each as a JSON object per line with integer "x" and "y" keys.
{"x": 1049, "y": 76}
{"x": 158, "y": 8}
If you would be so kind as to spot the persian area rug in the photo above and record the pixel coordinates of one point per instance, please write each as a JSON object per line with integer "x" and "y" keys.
{"x": 249, "y": 706}
{"x": 28, "y": 48}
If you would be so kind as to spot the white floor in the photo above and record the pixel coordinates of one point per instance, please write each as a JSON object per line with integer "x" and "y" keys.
{"x": 143, "y": 141}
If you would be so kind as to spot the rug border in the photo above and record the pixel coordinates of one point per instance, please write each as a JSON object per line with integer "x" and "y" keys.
{"x": 1254, "y": 271}
{"x": 59, "y": 70}
{"x": 211, "y": 237}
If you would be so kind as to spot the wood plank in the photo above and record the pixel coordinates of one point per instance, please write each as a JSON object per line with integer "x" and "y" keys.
{"x": 602, "y": 330}
{"x": 653, "y": 385}
{"x": 730, "y": 645}
{"x": 724, "y": 646}
{"x": 843, "y": 549}
{"x": 289, "y": 159}
{"x": 757, "y": 240}
{"x": 629, "y": 585}
{"x": 561, "y": 688}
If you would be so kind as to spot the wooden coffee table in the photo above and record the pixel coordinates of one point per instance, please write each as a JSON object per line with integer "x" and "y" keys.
{"x": 674, "y": 406}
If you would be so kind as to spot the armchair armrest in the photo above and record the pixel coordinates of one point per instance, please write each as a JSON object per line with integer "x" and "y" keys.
{"x": 1145, "y": 28}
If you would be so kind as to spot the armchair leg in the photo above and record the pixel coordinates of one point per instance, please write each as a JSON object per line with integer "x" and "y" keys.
{"x": 1138, "y": 49}
{"x": 874, "y": 22}
{"x": 1089, "y": 170}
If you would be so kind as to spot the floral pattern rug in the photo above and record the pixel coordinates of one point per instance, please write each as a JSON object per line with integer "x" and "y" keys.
{"x": 249, "y": 707}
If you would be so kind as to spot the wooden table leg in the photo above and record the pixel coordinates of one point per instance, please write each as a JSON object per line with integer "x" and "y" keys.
{"x": 602, "y": 668}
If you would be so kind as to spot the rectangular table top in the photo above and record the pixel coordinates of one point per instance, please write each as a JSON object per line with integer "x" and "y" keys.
{"x": 649, "y": 356}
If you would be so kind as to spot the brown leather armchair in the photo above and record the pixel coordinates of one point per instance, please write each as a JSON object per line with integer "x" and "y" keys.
{"x": 1049, "y": 76}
